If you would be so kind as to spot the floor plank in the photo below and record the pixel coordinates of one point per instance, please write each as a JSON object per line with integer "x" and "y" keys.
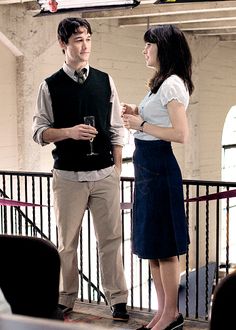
{"x": 86, "y": 313}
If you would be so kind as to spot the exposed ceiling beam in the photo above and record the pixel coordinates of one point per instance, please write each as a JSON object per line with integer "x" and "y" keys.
{"x": 229, "y": 38}
{"x": 195, "y": 27}
{"x": 15, "y": 51}
{"x": 216, "y": 17}
{"x": 9, "y": 2}
{"x": 213, "y": 32}
{"x": 207, "y": 26}
{"x": 165, "y": 9}
{"x": 194, "y": 22}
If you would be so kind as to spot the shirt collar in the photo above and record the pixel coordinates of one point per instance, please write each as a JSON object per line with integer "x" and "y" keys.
{"x": 71, "y": 72}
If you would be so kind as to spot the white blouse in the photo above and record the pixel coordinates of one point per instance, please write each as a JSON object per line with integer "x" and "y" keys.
{"x": 153, "y": 108}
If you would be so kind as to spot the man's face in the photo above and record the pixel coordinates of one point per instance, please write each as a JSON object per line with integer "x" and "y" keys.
{"x": 78, "y": 49}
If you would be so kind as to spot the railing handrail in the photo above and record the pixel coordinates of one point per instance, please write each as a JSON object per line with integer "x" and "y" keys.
{"x": 198, "y": 182}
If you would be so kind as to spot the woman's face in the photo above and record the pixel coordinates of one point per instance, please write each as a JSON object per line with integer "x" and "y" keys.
{"x": 150, "y": 53}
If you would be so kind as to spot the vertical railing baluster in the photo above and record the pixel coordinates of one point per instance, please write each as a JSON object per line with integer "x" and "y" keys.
{"x": 19, "y": 225}
{"x": 217, "y": 236}
{"x": 13, "y": 224}
{"x": 149, "y": 289}
{"x": 98, "y": 275}
{"x": 49, "y": 211}
{"x": 4, "y": 207}
{"x": 26, "y": 200}
{"x": 89, "y": 256}
{"x": 187, "y": 257}
{"x": 140, "y": 284}
{"x": 122, "y": 223}
{"x": 197, "y": 254}
{"x": 227, "y": 235}
{"x": 41, "y": 202}
{"x": 131, "y": 266}
{"x": 33, "y": 210}
{"x": 81, "y": 266}
{"x": 207, "y": 255}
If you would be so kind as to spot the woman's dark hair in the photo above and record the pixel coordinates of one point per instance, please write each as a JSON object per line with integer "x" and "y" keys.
{"x": 173, "y": 54}
{"x": 69, "y": 26}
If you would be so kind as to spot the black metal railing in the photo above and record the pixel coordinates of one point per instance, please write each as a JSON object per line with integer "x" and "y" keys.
{"x": 211, "y": 253}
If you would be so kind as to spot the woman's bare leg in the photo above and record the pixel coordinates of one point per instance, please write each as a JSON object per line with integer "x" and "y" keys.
{"x": 169, "y": 274}
{"x": 155, "y": 270}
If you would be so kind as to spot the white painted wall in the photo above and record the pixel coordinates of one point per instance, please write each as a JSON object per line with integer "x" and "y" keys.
{"x": 118, "y": 51}
{"x": 8, "y": 112}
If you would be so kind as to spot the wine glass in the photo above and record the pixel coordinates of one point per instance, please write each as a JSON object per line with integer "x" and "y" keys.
{"x": 90, "y": 120}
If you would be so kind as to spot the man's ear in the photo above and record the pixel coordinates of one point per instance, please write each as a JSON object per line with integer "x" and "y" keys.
{"x": 62, "y": 43}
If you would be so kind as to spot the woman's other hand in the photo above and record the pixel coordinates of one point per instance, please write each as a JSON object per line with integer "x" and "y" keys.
{"x": 132, "y": 121}
{"x": 130, "y": 109}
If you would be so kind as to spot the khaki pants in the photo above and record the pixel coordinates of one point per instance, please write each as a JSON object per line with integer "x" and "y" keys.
{"x": 103, "y": 199}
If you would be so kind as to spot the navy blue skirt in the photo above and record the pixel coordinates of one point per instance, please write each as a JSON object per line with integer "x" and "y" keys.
{"x": 159, "y": 222}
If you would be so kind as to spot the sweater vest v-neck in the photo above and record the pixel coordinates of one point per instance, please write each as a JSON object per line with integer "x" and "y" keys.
{"x": 71, "y": 102}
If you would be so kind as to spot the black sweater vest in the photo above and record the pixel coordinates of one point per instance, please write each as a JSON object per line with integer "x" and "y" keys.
{"x": 70, "y": 103}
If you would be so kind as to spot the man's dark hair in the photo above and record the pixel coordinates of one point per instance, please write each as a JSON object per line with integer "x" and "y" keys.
{"x": 69, "y": 26}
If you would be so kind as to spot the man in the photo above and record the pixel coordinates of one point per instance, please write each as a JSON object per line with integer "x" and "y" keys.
{"x": 79, "y": 179}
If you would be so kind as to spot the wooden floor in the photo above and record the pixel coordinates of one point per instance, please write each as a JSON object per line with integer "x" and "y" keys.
{"x": 100, "y": 315}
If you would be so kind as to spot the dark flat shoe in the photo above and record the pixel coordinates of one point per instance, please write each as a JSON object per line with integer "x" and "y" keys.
{"x": 64, "y": 309}
{"x": 119, "y": 312}
{"x": 143, "y": 327}
{"x": 177, "y": 324}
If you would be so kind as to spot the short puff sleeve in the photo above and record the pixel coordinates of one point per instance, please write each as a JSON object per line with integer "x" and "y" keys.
{"x": 173, "y": 88}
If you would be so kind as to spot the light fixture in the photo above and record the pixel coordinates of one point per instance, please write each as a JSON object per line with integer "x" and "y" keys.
{"x": 61, "y": 6}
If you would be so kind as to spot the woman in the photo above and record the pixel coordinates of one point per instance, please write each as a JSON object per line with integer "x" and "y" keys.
{"x": 159, "y": 225}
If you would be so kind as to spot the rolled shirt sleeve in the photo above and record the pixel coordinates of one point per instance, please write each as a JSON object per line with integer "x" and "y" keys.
{"x": 43, "y": 118}
{"x": 117, "y": 128}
